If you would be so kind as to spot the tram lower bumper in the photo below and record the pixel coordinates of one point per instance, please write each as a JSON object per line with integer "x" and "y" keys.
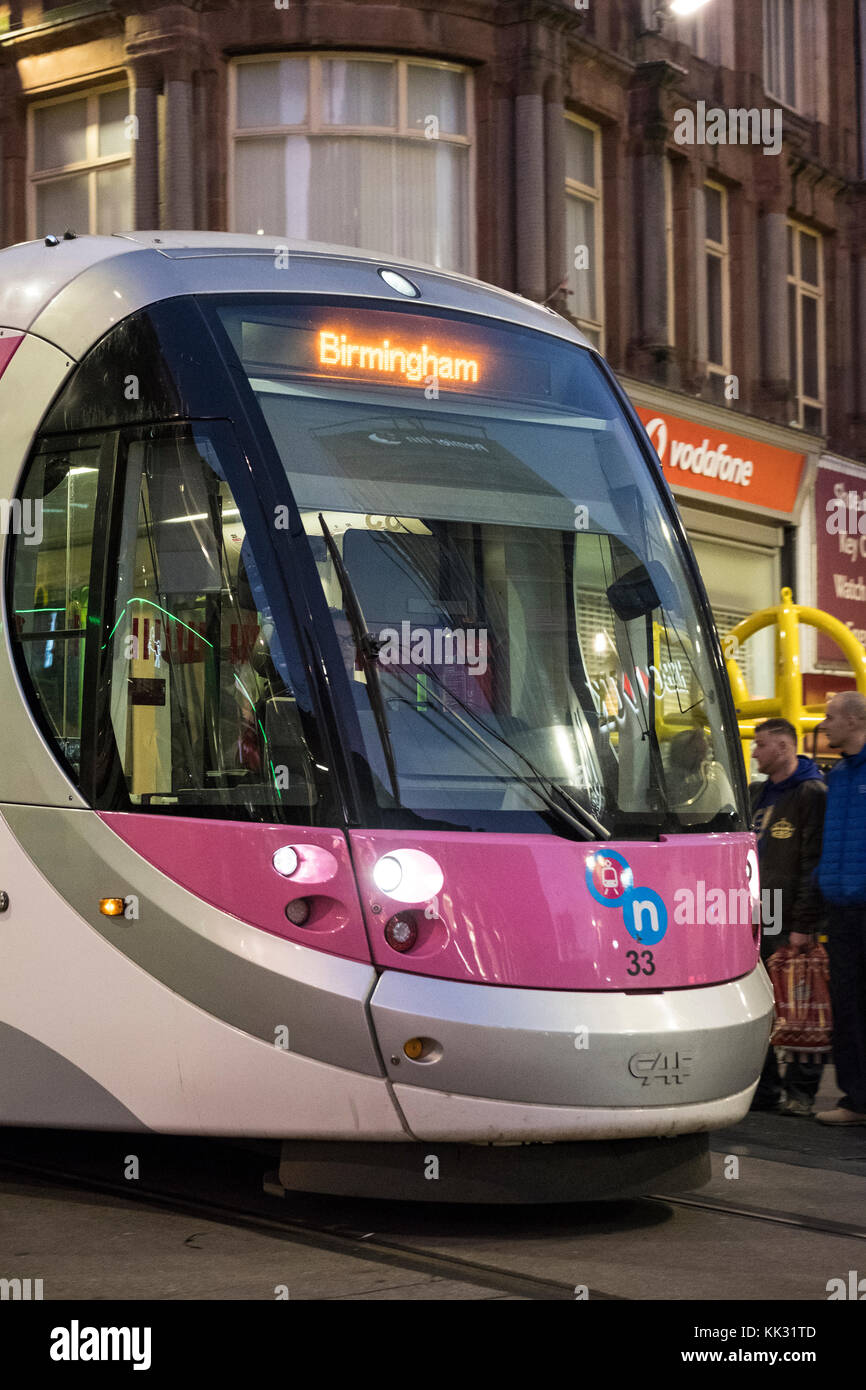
{"x": 511, "y": 1065}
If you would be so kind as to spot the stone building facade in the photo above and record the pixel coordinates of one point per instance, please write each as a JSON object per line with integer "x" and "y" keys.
{"x": 692, "y": 192}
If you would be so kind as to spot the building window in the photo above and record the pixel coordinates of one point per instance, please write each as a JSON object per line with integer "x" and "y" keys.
{"x": 80, "y": 164}
{"x": 583, "y": 227}
{"x": 717, "y": 271}
{"x": 371, "y": 152}
{"x": 710, "y": 33}
{"x": 806, "y": 325}
{"x": 782, "y": 50}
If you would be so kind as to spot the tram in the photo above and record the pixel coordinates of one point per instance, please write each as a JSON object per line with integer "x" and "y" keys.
{"x": 369, "y": 776}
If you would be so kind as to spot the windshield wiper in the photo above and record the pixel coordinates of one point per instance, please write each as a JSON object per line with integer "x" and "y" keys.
{"x": 367, "y": 648}
{"x": 585, "y": 824}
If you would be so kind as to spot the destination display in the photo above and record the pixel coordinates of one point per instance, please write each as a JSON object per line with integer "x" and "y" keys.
{"x": 394, "y": 349}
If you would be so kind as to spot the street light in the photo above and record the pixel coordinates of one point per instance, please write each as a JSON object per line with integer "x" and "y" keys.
{"x": 684, "y": 7}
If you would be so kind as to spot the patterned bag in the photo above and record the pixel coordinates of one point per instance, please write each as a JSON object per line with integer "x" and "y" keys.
{"x": 801, "y": 985}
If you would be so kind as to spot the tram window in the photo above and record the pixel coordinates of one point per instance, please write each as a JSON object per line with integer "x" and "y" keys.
{"x": 51, "y": 583}
{"x": 200, "y": 697}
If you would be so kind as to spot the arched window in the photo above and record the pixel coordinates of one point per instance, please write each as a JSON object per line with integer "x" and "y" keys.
{"x": 355, "y": 151}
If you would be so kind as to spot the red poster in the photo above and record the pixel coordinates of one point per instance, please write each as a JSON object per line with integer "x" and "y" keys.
{"x": 840, "y": 531}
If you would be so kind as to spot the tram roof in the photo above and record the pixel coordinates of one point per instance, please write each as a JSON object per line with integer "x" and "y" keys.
{"x": 74, "y": 291}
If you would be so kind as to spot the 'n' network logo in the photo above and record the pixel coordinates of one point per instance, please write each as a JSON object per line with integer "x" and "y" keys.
{"x": 610, "y": 880}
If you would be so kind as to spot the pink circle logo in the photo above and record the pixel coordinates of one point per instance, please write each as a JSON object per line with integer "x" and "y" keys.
{"x": 609, "y": 878}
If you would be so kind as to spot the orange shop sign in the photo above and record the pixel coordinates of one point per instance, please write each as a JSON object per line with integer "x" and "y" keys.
{"x": 725, "y": 465}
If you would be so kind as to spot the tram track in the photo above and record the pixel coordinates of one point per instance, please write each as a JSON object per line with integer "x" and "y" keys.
{"x": 367, "y": 1246}
{"x": 243, "y": 1205}
{"x": 819, "y": 1225}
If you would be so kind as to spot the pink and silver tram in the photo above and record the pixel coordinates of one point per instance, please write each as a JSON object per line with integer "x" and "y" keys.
{"x": 369, "y": 779}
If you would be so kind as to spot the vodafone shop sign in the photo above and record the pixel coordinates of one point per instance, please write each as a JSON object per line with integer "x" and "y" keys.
{"x": 723, "y": 464}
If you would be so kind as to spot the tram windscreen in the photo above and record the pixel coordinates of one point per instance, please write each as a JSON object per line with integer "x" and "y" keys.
{"x": 513, "y": 562}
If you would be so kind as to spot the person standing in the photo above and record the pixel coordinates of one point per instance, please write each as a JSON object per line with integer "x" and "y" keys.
{"x": 842, "y": 880}
{"x": 788, "y": 819}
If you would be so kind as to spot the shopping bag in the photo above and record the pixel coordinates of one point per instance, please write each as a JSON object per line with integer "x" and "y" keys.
{"x": 801, "y": 986}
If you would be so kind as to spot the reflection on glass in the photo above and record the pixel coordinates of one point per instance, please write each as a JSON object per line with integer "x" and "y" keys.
{"x": 516, "y": 571}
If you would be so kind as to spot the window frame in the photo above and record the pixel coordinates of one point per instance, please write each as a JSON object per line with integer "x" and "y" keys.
{"x": 91, "y": 165}
{"x": 720, "y": 251}
{"x": 315, "y": 125}
{"x": 774, "y": 56}
{"x": 594, "y": 195}
{"x": 805, "y": 289}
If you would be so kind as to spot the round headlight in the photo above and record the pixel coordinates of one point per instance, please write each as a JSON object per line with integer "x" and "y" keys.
{"x": 387, "y": 873}
{"x": 285, "y": 861}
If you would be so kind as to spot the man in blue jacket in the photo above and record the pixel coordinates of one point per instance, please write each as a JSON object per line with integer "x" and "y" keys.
{"x": 788, "y": 818}
{"x": 842, "y": 880}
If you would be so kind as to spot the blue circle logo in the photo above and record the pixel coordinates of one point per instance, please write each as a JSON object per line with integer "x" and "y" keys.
{"x": 610, "y": 881}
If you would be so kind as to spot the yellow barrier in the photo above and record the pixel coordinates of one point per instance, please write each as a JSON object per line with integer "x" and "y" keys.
{"x": 787, "y": 703}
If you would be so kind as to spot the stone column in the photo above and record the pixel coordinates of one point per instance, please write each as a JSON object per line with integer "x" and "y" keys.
{"x": 699, "y": 335}
{"x": 13, "y": 172}
{"x": 179, "y": 156}
{"x": 529, "y": 187}
{"x": 556, "y": 257}
{"x": 775, "y": 327}
{"x": 652, "y": 266}
{"x": 144, "y": 81}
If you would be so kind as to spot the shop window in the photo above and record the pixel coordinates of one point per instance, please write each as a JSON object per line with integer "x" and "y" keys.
{"x": 80, "y": 164}
{"x": 718, "y": 290}
{"x": 584, "y": 227}
{"x": 806, "y": 325}
{"x": 372, "y": 152}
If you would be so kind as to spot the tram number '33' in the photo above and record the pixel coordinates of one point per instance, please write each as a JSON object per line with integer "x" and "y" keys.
{"x": 648, "y": 967}
{"x": 660, "y": 1066}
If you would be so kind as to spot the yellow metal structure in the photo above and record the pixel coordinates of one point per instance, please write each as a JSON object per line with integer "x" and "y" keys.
{"x": 787, "y": 703}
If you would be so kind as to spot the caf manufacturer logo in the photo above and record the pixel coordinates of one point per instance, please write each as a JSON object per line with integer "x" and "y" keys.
{"x": 610, "y": 881}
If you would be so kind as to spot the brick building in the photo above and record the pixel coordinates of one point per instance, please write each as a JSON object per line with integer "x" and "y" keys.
{"x": 571, "y": 151}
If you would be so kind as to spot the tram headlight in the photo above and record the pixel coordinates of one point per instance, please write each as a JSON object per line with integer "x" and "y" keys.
{"x": 285, "y": 861}
{"x": 387, "y": 874}
{"x": 408, "y": 875}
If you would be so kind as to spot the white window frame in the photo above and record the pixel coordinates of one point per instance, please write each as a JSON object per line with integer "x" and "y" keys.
{"x": 594, "y": 196}
{"x": 315, "y": 125}
{"x": 90, "y": 165}
{"x": 773, "y": 57}
{"x": 670, "y": 233}
{"x": 805, "y": 290}
{"x": 720, "y": 251}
